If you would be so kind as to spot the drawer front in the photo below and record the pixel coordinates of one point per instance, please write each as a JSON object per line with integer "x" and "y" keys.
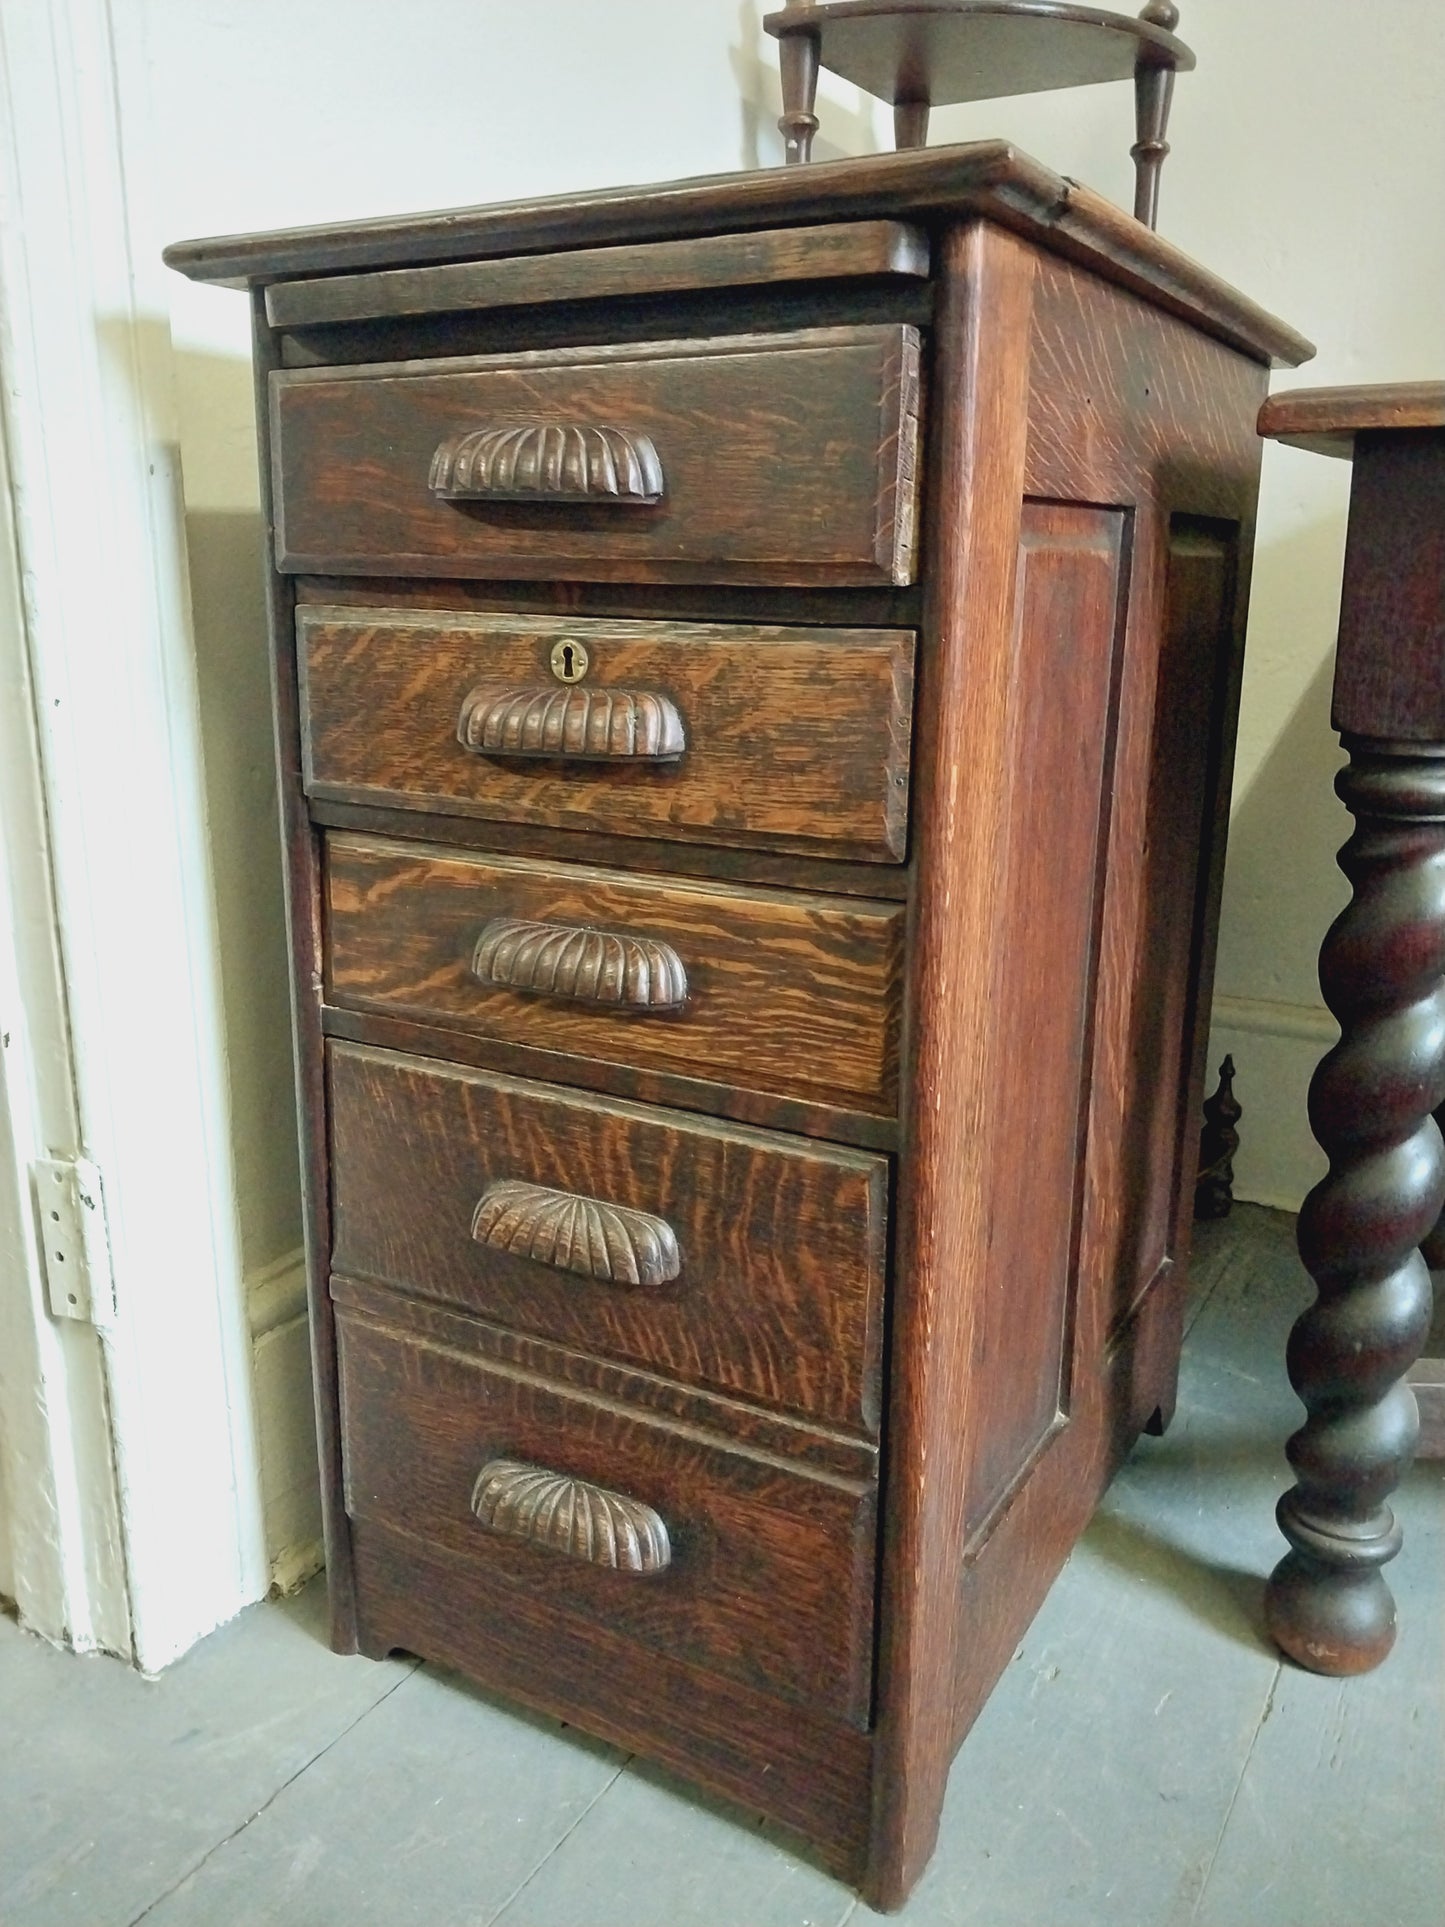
{"x": 723, "y": 1558}
{"x": 739, "y": 1260}
{"x": 763, "y": 458}
{"x": 775, "y": 991}
{"x": 794, "y": 738}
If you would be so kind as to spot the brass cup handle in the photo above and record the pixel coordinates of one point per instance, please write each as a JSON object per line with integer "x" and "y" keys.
{"x": 581, "y": 722}
{"x": 569, "y": 463}
{"x": 571, "y": 1516}
{"x": 580, "y": 965}
{"x": 587, "y": 1236}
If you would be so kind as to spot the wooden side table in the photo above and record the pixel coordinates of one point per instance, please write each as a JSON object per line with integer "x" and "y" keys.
{"x": 1382, "y": 971}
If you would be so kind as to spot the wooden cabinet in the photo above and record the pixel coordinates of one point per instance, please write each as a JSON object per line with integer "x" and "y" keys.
{"x": 756, "y": 666}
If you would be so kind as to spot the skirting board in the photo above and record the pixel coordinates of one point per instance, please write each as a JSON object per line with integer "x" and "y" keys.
{"x": 285, "y": 1425}
{"x": 1275, "y": 1047}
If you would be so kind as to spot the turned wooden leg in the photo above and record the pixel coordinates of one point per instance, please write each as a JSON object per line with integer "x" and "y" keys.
{"x": 910, "y": 124}
{"x": 1153, "y": 94}
{"x": 798, "y": 62}
{"x": 1382, "y": 972}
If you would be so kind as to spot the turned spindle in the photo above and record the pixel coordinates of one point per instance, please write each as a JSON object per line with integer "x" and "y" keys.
{"x": 1382, "y": 972}
{"x": 1218, "y": 1142}
{"x": 1153, "y": 97}
{"x": 798, "y": 67}
{"x": 920, "y": 54}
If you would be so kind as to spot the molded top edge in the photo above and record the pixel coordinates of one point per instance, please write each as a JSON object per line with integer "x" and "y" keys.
{"x": 981, "y": 178}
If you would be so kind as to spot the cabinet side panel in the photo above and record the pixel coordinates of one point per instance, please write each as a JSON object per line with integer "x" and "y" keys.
{"x": 979, "y": 389}
{"x": 1132, "y": 407}
{"x": 1160, "y": 1130}
{"x": 301, "y": 848}
{"x": 1065, "y": 650}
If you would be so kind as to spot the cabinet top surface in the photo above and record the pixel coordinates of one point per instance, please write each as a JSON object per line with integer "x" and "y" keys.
{"x": 1327, "y": 420}
{"x": 979, "y": 178}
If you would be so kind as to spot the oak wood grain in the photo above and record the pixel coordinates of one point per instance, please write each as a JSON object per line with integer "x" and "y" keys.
{"x": 1327, "y": 420}
{"x": 771, "y": 1573}
{"x": 848, "y": 250}
{"x": 707, "y": 1097}
{"x": 778, "y": 1289}
{"x": 786, "y": 993}
{"x": 795, "y": 738}
{"x": 787, "y": 458}
{"x": 975, "y": 493}
{"x": 770, "y": 1755}
{"x": 776, "y": 1434}
{"x": 987, "y": 179}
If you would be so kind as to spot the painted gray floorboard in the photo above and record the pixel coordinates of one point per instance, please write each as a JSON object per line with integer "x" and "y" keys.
{"x": 1124, "y": 1773}
{"x": 430, "y": 1813}
{"x": 112, "y": 1786}
{"x": 1096, "y": 1783}
{"x": 1340, "y": 1820}
{"x": 653, "y": 1854}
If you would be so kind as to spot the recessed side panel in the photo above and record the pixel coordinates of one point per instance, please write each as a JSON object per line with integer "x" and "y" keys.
{"x": 1195, "y": 660}
{"x": 1068, "y": 606}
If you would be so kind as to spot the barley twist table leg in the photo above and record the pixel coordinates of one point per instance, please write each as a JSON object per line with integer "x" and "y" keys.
{"x": 1382, "y": 972}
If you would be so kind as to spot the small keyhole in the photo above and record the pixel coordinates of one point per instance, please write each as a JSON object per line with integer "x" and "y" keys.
{"x": 569, "y": 660}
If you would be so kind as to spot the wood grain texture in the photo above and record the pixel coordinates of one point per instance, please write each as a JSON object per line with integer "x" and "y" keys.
{"x": 850, "y": 250}
{"x": 789, "y": 1760}
{"x": 1063, "y": 667}
{"x": 788, "y": 459}
{"x": 1390, "y": 661}
{"x": 771, "y": 1575}
{"x": 828, "y": 877}
{"x": 301, "y": 859}
{"x": 778, "y": 1291}
{"x": 975, "y": 490}
{"x": 786, "y": 993}
{"x": 705, "y": 1097}
{"x": 1091, "y": 455}
{"x": 1327, "y": 420}
{"x": 988, "y": 179}
{"x": 795, "y": 738}
{"x": 776, "y": 1434}
{"x": 1072, "y": 393}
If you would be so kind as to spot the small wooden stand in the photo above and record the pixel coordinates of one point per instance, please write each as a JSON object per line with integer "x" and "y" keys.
{"x": 1382, "y": 971}
{"x": 921, "y": 54}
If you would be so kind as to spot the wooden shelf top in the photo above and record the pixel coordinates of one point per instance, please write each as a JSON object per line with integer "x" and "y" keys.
{"x": 947, "y": 51}
{"x": 1326, "y": 420}
{"x": 988, "y": 178}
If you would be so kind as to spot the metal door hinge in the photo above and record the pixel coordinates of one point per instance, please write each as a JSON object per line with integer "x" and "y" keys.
{"x": 71, "y": 1205}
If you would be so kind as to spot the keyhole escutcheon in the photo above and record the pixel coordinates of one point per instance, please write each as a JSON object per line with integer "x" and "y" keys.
{"x": 569, "y": 660}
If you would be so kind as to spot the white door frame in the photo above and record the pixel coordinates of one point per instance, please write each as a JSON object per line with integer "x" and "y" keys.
{"x": 135, "y": 1506}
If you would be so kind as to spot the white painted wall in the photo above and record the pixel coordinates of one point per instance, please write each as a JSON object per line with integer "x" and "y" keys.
{"x": 1307, "y": 167}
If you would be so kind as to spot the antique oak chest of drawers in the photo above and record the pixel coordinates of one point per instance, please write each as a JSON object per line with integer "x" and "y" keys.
{"x": 756, "y": 664}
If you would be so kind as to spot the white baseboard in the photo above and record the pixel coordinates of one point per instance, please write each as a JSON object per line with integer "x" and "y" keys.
{"x": 1275, "y": 1047}
{"x": 285, "y": 1423}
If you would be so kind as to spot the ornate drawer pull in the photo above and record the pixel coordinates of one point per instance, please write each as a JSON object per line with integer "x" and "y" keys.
{"x": 588, "y": 966}
{"x": 569, "y": 1515}
{"x": 548, "y": 462}
{"x": 586, "y": 724}
{"x": 587, "y": 1236}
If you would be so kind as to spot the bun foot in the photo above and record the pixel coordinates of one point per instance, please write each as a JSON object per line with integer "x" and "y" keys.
{"x": 1329, "y": 1621}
